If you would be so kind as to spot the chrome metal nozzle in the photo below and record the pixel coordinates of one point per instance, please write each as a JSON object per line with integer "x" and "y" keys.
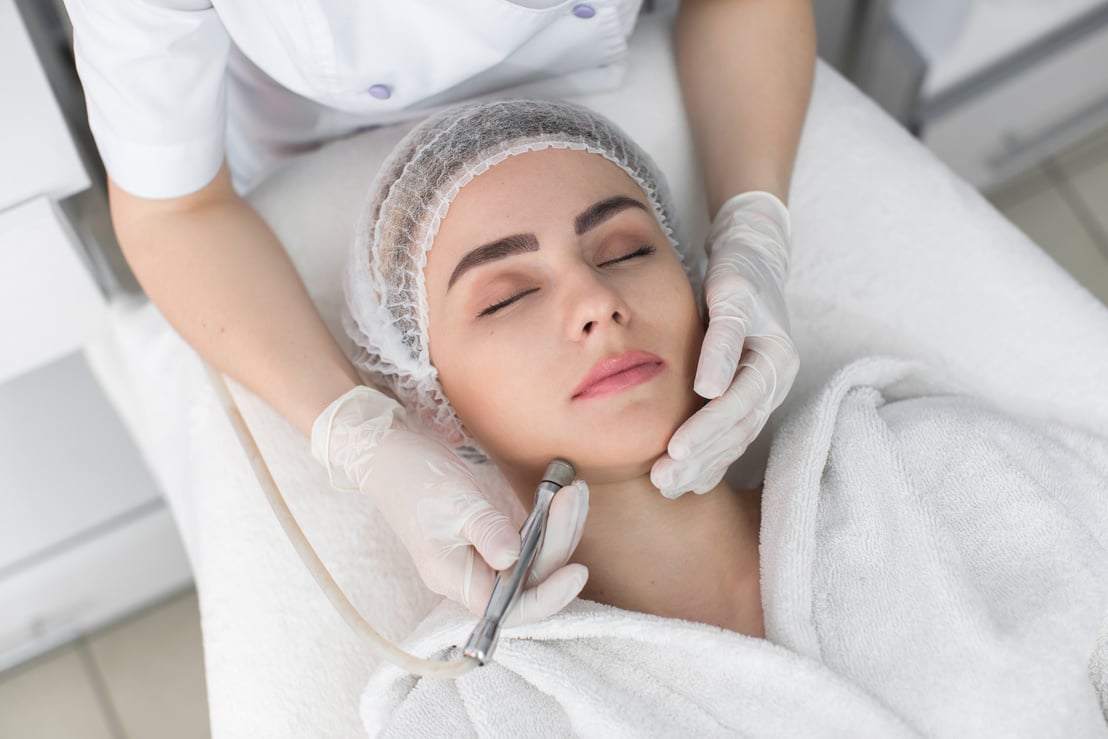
{"x": 509, "y": 584}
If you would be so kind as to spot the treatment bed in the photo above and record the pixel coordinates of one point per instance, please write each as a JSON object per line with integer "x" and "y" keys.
{"x": 892, "y": 254}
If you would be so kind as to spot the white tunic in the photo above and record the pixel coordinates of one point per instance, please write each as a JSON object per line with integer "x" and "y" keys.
{"x": 174, "y": 85}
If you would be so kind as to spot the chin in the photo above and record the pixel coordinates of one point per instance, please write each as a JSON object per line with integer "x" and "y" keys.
{"x": 599, "y": 455}
{"x": 628, "y": 450}
{"x": 607, "y": 447}
{"x": 614, "y": 474}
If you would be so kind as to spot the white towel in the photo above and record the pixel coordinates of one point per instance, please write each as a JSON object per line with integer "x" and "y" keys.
{"x": 1098, "y": 667}
{"x": 929, "y": 565}
{"x": 597, "y": 671}
{"x": 950, "y": 558}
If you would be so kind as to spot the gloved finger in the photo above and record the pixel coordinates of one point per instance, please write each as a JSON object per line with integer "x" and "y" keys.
{"x": 491, "y": 533}
{"x": 719, "y": 355}
{"x": 697, "y": 480}
{"x": 462, "y": 576}
{"x": 703, "y": 472}
{"x": 775, "y": 354}
{"x": 751, "y": 386}
{"x": 730, "y": 302}
{"x": 475, "y": 580}
{"x": 548, "y": 597}
{"x": 451, "y": 511}
{"x": 564, "y": 526}
{"x": 663, "y": 475}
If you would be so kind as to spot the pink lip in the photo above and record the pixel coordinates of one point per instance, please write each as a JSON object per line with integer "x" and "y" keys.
{"x": 616, "y": 374}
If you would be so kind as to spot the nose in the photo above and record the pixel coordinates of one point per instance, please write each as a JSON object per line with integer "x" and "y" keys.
{"x": 595, "y": 307}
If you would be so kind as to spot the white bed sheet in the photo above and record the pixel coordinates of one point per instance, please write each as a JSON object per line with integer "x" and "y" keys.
{"x": 892, "y": 254}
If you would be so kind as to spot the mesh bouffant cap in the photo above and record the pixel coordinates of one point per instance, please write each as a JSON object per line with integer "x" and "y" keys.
{"x": 386, "y": 297}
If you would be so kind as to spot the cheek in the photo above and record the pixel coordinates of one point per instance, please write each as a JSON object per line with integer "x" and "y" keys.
{"x": 691, "y": 326}
{"x": 674, "y": 319}
{"x": 667, "y": 303}
{"x": 490, "y": 377}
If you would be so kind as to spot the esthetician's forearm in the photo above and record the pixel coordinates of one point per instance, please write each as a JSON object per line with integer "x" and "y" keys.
{"x": 746, "y": 69}
{"x": 219, "y": 275}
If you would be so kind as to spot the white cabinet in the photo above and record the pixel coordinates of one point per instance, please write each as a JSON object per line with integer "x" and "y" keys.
{"x": 1008, "y": 82}
{"x": 47, "y": 296}
{"x": 50, "y": 302}
{"x": 85, "y": 536}
{"x": 36, "y": 153}
{"x": 1017, "y": 122}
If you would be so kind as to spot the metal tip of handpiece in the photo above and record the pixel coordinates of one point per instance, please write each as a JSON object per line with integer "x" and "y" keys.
{"x": 559, "y": 472}
{"x": 482, "y": 642}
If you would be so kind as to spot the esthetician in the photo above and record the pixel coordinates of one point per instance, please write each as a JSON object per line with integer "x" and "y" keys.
{"x": 192, "y": 101}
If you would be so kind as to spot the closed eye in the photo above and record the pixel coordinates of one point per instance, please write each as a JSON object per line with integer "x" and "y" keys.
{"x": 505, "y": 302}
{"x": 643, "y": 251}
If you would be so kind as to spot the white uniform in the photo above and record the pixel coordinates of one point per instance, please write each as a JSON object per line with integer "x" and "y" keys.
{"x": 175, "y": 85}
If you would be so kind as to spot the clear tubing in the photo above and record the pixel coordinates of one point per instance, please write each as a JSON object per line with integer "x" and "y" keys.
{"x": 379, "y": 645}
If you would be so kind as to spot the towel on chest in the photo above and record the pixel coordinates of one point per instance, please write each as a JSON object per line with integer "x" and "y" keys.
{"x": 948, "y": 557}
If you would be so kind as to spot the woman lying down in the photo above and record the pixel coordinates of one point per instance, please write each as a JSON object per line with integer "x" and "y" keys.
{"x": 917, "y": 562}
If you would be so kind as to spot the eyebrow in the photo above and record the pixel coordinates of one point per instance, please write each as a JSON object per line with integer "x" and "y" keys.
{"x": 602, "y": 210}
{"x": 587, "y": 219}
{"x": 505, "y": 247}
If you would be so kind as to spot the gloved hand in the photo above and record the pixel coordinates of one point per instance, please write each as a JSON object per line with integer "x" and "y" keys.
{"x": 453, "y": 533}
{"x": 748, "y": 326}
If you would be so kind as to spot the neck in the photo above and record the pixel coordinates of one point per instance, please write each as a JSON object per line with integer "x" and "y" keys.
{"x": 694, "y": 558}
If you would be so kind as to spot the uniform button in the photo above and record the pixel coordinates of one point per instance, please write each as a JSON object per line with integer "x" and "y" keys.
{"x": 381, "y": 92}
{"x": 584, "y": 10}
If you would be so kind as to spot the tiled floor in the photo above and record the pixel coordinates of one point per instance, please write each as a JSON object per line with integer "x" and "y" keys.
{"x": 144, "y": 677}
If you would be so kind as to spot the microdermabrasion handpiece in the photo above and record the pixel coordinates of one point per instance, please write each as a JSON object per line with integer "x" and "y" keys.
{"x": 505, "y": 592}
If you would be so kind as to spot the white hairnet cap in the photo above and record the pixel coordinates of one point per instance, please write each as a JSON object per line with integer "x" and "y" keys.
{"x": 386, "y": 297}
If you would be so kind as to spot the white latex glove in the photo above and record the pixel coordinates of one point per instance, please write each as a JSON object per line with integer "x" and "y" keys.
{"x": 748, "y": 362}
{"x": 453, "y": 533}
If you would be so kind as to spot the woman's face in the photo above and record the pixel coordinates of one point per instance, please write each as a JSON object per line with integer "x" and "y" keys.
{"x": 562, "y": 323}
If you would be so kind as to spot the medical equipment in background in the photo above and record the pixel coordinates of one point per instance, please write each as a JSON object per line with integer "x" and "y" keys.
{"x": 506, "y": 591}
